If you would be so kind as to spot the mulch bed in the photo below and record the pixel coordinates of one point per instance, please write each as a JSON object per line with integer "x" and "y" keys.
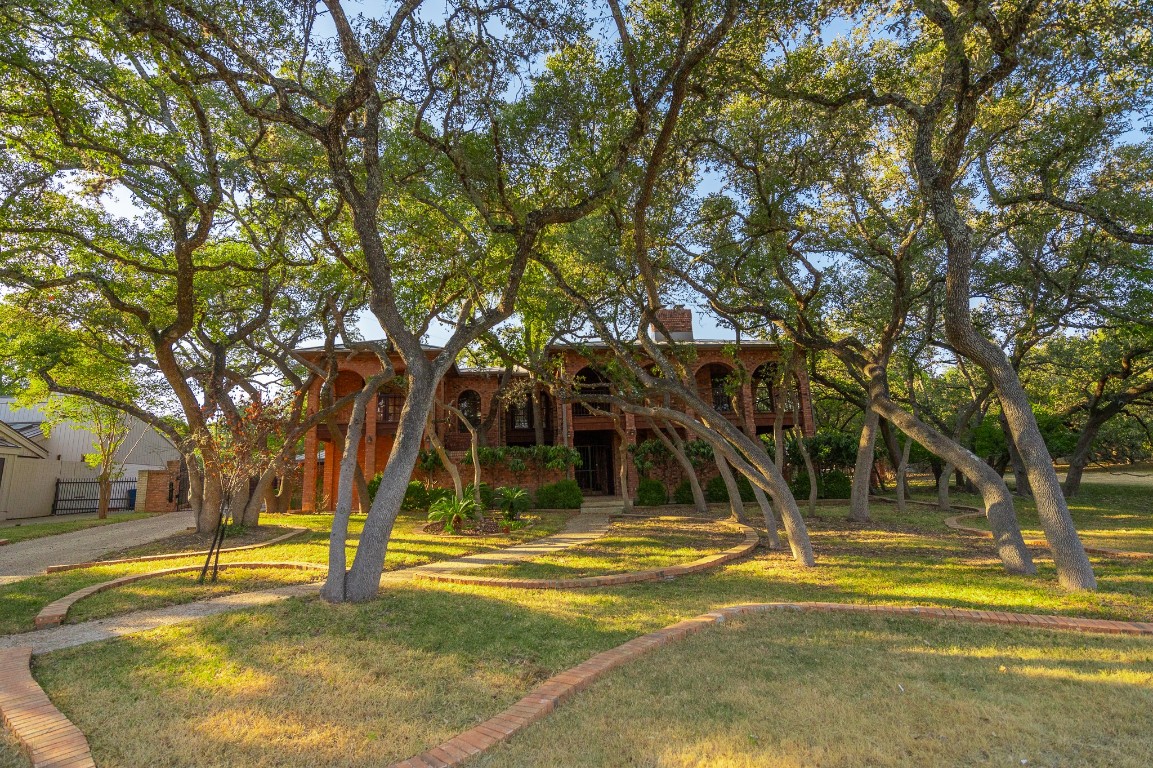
{"x": 490, "y": 526}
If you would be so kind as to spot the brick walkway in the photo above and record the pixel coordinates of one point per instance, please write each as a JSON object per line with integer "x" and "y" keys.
{"x": 25, "y": 559}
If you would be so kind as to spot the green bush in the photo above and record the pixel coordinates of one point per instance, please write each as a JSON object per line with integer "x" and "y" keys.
{"x": 453, "y": 512}
{"x": 716, "y": 493}
{"x": 565, "y": 494}
{"x": 800, "y": 485}
{"x": 835, "y": 485}
{"x": 513, "y": 501}
{"x": 415, "y": 496}
{"x": 651, "y": 493}
{"x": 487, "y": 495}
{"x": 683, "y": 493}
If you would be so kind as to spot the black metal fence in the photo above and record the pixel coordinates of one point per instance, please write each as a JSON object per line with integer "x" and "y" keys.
{"x": 76, "y": 496}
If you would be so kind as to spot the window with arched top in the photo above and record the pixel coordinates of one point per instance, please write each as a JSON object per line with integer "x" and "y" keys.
{"x": 720, "y": 387}
{"x": 468, "y": 403}
{"x": 764, "y": 388}
{"x": 592, "y": 382}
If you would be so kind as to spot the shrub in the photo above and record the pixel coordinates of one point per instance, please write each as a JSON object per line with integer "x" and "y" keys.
{"x": 800, "y": 485}
{"x": 513, "y": 501}
{"x": 651, "y": 493}
{"x": 835, "y": 485}
{"x": 487, "y": 495}
{"x": 716, "y": 493}
{"x": 683, "y": 493}
{"x": 415, "y": 496}
{"x": 565, "y": 494}
{"x": 453, "y": 512}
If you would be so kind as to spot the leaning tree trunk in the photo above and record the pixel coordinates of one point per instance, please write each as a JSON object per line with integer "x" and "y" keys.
{"x": 623, "y": 470}
{"x": 770, "y": 518}
{"x": 449, "y": 464}
{"x": 1074, "y": 571}
{"x": 735, "y": 504}
{"x": 677, "y": 447}
{"x": 903, "y": 477}
{"x": 334, "y": 589}
{"x": 363, "y": 578}
{"x": 1020, "y": 477}
{"x": 999, "y": 510}
{"x": 859, "y": 499}
{"x": 943, "y": 481}
{"x": 1079, "y": 458}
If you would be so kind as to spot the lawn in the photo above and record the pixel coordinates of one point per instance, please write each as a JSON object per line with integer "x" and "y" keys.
{"x": 1117, "y": 515}
{"x": 21, "y": 601}
{"x": 35, "y": 529}
{"x": 424, "y": 661}
{"x": 629, "y": 545}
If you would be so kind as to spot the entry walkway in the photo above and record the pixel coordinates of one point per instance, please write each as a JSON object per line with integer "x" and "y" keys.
{"x": 581, "y": 529}
{"x": 25, "y": 559}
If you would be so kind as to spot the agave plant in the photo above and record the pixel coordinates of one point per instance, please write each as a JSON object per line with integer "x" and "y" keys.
{"x": 453, "y": 512}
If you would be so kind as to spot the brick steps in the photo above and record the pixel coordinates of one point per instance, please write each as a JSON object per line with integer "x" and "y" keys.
{"x": 53, "y": 614}
{"x": 550, "y": 694}
{"x": 173, "y": 555}
{"x": 752, "y": 539}
{"x": 49, "y": 738}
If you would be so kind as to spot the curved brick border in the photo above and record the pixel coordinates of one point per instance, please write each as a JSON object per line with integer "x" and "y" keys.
{"x": 53, "y": 614}
{"x": 752, "y": 539}
{"x": 50, "y": 739}
{"x": 173, "y": 555}
{"x": 550, "y": 694}
{"x": 954, "y": 522}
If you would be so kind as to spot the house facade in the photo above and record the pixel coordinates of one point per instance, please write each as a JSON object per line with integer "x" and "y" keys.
{"x": 35, "y": 458}
{"x": 600, "y": 434}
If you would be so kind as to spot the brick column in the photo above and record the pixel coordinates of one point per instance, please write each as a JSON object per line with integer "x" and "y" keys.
{"x": 369, "y": 441}
{"x": 308, "y": 491}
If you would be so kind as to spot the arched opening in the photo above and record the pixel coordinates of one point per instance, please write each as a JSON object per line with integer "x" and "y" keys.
{"x": 717, "y": 380}
{"x": 764, "y": 388}
{"x": 589, "y": 381}
{"x": 521, "y": 419}
{"x": 468, "y": 403}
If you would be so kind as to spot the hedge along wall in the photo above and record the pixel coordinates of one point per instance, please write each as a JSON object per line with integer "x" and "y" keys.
{"x": 496, "y": 476}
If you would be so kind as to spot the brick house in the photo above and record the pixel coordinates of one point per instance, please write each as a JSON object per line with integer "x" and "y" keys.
{"x": 601, "y": 438}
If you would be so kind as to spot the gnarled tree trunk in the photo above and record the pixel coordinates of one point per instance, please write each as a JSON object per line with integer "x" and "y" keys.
{"x": 863, "y": 470}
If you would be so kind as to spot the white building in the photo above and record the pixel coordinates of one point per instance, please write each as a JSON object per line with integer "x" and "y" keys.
{"x": 31, "y": 463}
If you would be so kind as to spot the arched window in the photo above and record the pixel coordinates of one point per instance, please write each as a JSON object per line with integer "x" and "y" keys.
{"x": 468, "y": 403}
{"x": 720, "y": 386}
{"x": 520, "y": 415}
{"x": 592, "y": 382}
{"x": 764, "y": 384}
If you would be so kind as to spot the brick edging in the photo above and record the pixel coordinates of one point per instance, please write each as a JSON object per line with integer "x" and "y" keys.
{"x": 953, "y": 522}
{"x": 49, "y": 738}
{"x": 546, "y": 697}
{"x": 4, "y": 541}
{"x": 53, "y": 614}
{"x": 172, "y": 555}
{"x": 752, "y": 539}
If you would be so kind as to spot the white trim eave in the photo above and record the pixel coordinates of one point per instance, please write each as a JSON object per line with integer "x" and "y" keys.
{"x": 34, "y": 451}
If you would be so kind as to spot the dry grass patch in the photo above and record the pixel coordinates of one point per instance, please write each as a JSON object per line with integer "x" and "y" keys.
{"x": 630, "y": 545}
{"x": 788, "y": 690}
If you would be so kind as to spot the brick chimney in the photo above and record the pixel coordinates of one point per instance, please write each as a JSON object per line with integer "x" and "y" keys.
{"x": 678, "y": 321}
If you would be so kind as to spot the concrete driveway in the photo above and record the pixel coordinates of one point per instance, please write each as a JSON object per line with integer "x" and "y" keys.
{"x": 29, "y": 558}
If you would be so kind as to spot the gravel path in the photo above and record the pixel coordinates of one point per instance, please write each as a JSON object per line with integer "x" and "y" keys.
{"x": 29, "y": 558}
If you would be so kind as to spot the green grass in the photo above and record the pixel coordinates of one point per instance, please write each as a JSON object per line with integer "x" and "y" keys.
{"x": 1114, "y": 515}
{"x": 21, "y": 601}
{"x": 302, "y": 683}
{"x": 629, "y": 545}
{"x": 34, "y": 529}
{"x": 848, "y": 691}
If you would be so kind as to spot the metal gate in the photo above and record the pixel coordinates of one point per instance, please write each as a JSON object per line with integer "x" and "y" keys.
{"x": 76, "y": 496}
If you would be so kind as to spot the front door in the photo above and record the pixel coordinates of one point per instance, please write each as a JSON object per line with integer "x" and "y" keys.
{"x": 595, "y": 475}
